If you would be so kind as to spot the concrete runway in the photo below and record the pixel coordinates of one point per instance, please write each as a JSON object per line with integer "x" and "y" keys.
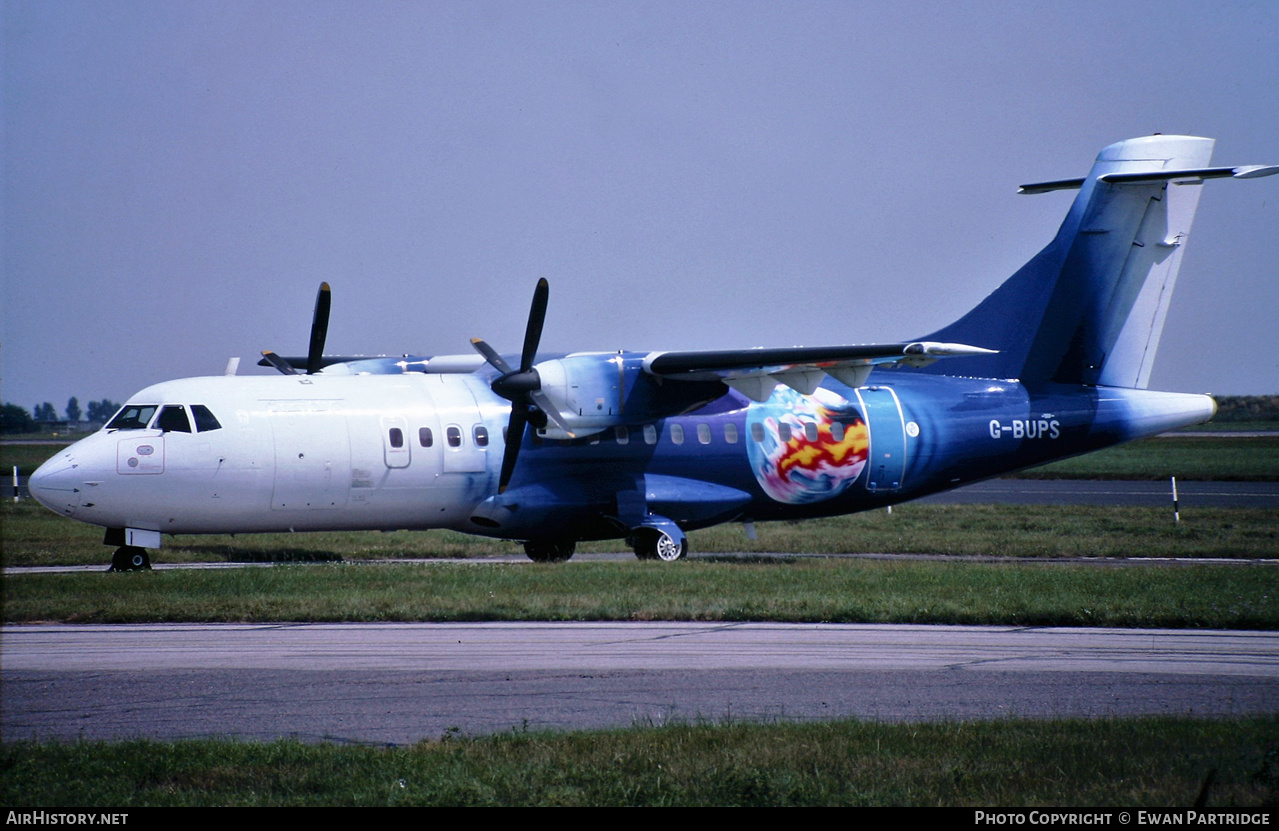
{"x": 397, "y": 684}
{"x": 401, "y": 683}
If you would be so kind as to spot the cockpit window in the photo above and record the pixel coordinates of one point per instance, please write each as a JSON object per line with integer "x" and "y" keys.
{"x": 132, "y": 417}
{"x": 173, "y": 419}
{"x": 204, "y": 420}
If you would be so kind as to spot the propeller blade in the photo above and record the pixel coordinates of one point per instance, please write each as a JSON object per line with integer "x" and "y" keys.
{"x": 278, "y": 362}
{"x": 319, "y": 329}
{"x": 536, "y": 317}
{"x": 544, "y": 404}
{"x": 522, "y": 387}
{"x": 490, "y": 355}
{"x": 514, "y": 437}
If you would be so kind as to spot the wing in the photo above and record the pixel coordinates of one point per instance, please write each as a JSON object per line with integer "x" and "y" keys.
{"x": 380, "y": 365}
{"x": 755, "y": 372}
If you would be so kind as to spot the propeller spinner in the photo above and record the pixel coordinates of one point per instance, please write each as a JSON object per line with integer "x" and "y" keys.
{"x": 319, "y": 331}
{"x": 523, "y": 386}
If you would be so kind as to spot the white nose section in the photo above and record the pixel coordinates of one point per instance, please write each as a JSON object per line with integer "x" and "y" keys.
{"x": 57, "y": 483}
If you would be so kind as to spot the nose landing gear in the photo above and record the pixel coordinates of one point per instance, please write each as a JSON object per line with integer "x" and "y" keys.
{"x": 130, "y": 558}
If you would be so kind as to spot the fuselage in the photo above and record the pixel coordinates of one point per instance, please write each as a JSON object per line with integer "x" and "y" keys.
{"x": 419, "y": 451}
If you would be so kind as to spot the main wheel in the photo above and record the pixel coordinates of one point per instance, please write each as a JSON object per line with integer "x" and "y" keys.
{"x": 658, "y": 545}
{"x": 668, "y": 551}
{"x": 130, "y": 558}
{"x": 549, "y": 551}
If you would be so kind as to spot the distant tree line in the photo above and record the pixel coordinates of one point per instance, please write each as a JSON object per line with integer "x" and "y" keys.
{"x": 16, "y": 419}
{"x": 1247, "y": 408}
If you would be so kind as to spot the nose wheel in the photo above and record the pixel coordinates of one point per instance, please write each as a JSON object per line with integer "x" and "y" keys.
{"x": 130, "y": 558}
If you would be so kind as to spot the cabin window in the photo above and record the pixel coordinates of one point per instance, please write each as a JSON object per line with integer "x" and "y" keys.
{"x": 396, "y": 436}
{"x": 173, "y": 419}
{"x": 757, "y": 431}
{"x": 424, "y": 436}
{"x": 133, "y": 417}
{"x": 704, "y": 433}
{"x": 204, "y": 420}
{"x": 650, "y": 434}
{"x": 453, "y": 435}
{"x": 677, "y": 433}
{"x": 783, "y": 431}
{"x": 837, "y": 430}
{"x": 730, "y": 433}
{"x": 481, "y": 435}
{"x": 622, "y": 434}
{"x": 810, "y": 430}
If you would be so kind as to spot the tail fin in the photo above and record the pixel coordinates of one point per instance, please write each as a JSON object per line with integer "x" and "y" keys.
{"x": 1090, "y": 307}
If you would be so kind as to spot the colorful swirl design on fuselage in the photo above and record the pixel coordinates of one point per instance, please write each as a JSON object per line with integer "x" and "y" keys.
{"x": 800, "y": 470}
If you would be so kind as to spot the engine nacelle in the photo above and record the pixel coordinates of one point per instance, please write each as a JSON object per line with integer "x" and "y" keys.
{"x": 596, "y": 391}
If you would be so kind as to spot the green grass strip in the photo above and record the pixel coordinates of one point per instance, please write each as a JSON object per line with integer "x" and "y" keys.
{"x": 1204, "y": 458}
{"x": 34, "y": 536}
{"x": 1153, "y": 762}
{"x": 804, "y": 590}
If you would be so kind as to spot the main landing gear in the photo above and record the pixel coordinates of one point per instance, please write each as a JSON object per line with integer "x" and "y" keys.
{"x": 655, "y": 544}
{"x": 549, "y": 551}
{"x": 130, "y": 558}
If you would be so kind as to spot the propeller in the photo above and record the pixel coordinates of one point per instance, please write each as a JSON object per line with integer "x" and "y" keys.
{"x": 319, "y": 331}
{"x": 523, "y": 386}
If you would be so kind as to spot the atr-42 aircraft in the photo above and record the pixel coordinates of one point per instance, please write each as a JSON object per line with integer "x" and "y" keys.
{"x": 649, "y": 445}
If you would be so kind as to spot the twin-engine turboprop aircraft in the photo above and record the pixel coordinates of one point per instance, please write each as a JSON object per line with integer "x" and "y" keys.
{"x": 649, "y": 445}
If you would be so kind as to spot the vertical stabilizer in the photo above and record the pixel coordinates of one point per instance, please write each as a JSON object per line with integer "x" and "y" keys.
{"x": 1090, "y": 307}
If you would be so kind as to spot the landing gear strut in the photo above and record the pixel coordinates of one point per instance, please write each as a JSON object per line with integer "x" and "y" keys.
{"x": 549, "y": 551}
{"x": 130, "y": 558}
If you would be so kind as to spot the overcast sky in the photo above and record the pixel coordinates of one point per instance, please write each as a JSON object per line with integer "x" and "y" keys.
{"x": 180, "y": 176}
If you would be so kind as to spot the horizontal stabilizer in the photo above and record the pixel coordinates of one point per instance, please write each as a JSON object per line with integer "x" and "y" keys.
{"x": 1251, "y": 171}
{"x": 1048, "y": 187}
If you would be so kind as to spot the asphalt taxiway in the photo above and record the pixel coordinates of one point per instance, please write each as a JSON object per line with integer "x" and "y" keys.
{"x": 1153, "y": 494}
{"x": 402, "y": 683}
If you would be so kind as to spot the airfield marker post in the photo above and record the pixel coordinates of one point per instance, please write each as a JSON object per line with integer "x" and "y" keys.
{"x": 1176, "y": 509}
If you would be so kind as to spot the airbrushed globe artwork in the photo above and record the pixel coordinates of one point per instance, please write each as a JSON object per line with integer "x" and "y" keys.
{"x": 802, "y": 469}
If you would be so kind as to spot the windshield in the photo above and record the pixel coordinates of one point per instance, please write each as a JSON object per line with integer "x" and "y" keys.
{"x": 132, "y": 417}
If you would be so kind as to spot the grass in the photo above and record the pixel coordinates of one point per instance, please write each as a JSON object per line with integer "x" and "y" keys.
{"x": 1209, "y": 458}
{"x": 1252, "y": 426}
{"x": 801, "y": 590}
{"x": 33, "y": 535}
{"x": 27, "y": 457}
{"x": 1154, "y": 762}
